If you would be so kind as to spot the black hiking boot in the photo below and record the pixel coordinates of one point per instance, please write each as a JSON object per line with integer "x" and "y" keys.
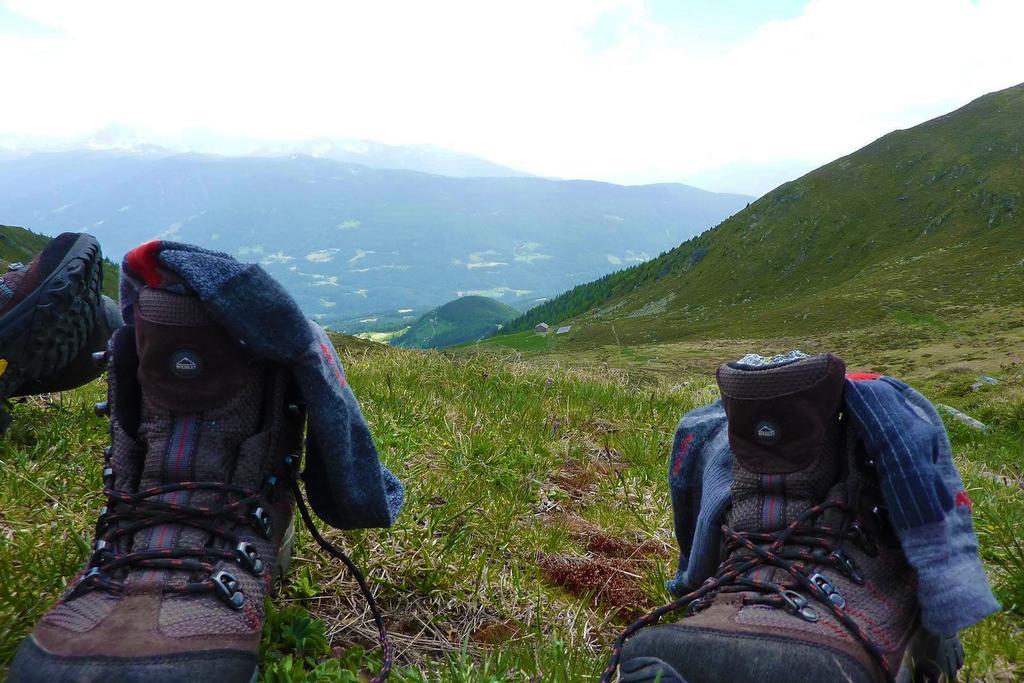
{"x": 814, "y": 585}
{"x": 198, "y": 522}
{"x": 49, "y": 312}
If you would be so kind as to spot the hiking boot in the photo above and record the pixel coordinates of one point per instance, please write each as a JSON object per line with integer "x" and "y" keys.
{"x": 198, "y": 521}
{"x": 813, "y": 585}
{"x": 48, "y": 310}
{"x": 84, "y": 367}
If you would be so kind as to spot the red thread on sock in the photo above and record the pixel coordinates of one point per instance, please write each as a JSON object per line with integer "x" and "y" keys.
{"x": 684, "y": 448}
{"x": 963, "y": 500}
{"x": 142, "y": 261}
{"x": 860, "y": 376}
{"x": 328, "y": 353}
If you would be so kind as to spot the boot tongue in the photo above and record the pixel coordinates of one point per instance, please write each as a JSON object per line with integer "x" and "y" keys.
{"x": 784, "y": 433}
{"x": 201, "y": 400}
{"x": 200, "y": 389}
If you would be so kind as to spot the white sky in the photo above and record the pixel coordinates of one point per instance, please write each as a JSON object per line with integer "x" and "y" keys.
{"x": 711, "y": 92}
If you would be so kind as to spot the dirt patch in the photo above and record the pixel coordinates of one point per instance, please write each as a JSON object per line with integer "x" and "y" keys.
{"x": 495, "y": 632}
{"x": 597, "y": 541}
{"x": 574, "y": 479}
{"x": 611, "y": 583}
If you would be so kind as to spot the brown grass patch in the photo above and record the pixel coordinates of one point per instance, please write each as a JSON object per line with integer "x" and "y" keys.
{"x": 596, "y": 540}
{"x": 610, "y": 583}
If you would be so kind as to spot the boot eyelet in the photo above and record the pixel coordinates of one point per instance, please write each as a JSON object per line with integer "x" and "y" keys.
{"x": 847, "y": 566}
{"x": 102, "y": 409}
{"x": 798, "y": 605}
{"x": 863, "y": 541}
{"x": 262, "y": 521}
{"x": 249, "y": 557}
{"x": 828, "y": 590}
{"x": 99, "y": 359}
{"x": 794, "y": 600}
{"x": 83, "y": 582}
{"x": 101, "y": 551}
{"x": 227, "y": 589}
{"x": 808, "y": 614}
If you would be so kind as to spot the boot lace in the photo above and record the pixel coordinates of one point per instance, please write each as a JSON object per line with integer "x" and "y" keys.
{"x": 127, "y": 513}
{"x": 795, "y": 549}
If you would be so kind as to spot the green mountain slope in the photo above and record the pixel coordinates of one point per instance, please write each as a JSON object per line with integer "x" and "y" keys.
{"x": 21, "y": 245}
{"x": 924, "y": 224}
{"x": 468, "y": 318}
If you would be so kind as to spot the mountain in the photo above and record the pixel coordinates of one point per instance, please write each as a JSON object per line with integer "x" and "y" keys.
{"x": 18, "y": 245}
{"x": 423, "y": 158}
{"x": 351, "y": 241}
{"x": 923, "y": 224}
{"x": 126, "y": 139}
{"x": 468, "y": 318}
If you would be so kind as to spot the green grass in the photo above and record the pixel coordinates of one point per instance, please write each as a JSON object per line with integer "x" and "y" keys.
{"x": 512, "y": 466}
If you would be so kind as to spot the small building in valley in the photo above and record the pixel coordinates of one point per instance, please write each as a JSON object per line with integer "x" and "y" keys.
{"x": 563, "y": 329}
{"x": 542, "y": 328}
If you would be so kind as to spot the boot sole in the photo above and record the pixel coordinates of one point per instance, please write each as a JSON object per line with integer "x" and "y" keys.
{"x": 48, "y": 328}
{"x": 929, "y": 659}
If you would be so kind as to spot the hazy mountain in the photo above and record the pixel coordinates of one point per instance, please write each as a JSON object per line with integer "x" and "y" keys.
{"x": 126, "y": 139}
{"x": 424, "y": 158}
{"x": 350, "y": 240}
{"x": 466, "y": 319}
{"x": 921, "y": 224}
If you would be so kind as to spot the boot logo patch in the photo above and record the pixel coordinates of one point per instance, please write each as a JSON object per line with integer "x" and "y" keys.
{"x": 767, "y": 432}
{"x": 186, "y": 364}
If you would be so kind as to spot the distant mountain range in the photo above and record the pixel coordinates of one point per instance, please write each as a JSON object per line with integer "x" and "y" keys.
{"x": 349, "y": 240}
{"x": 127, "y": 140}
{"x": 465, "y": 319}
{"x": 921, "y": 225}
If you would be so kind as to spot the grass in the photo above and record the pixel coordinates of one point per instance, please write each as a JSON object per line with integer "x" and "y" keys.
{"x": 524, "y": 478}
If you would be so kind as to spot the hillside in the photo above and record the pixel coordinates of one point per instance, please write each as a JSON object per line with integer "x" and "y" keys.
{"x": 350, "y": 241}
{"x": 466, "y": 319}
{"x": 21, "y": 245}
{"x": 924, "y": 224}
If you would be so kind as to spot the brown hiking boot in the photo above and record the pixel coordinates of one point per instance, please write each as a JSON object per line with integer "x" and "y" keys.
{"x": 198, "y": 523}
{"x": 814, "y": 585}
{"x": 48, "y": 318}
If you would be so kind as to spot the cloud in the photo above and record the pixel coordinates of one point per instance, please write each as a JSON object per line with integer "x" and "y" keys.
{"x": 359, "y": 255}
{"x": 478, "y": 259}
{"x": 321, "y": 255}
{"x": 383, "y": 267}
{"x": 245, "y": 250}
{"x": 607, "y": 89}
{"x": 614, "y": 260}
{"x": 327, "y": 303}
{"x": 276, "y": 257}
{"x": 495, "y": 293}
{"x": 348, "y": 225}
{"x": 527, "y": 253}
